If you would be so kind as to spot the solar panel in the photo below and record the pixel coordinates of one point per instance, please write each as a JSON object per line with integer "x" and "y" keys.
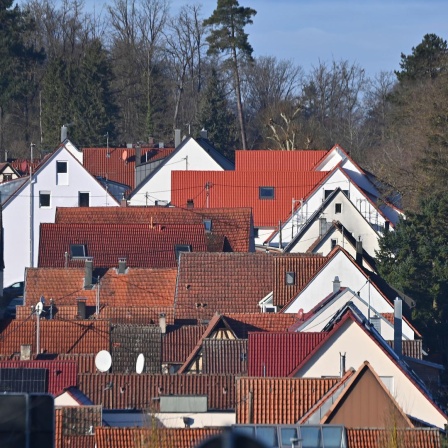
{"x": 23, "y": 380}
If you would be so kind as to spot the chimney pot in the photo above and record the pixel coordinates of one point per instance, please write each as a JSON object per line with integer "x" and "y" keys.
{"x": 341, "y": 364}
{"x": 122, "y": 265}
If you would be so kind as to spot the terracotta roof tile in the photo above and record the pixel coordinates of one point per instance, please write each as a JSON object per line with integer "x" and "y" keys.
{"x": 265, "y": 160}
{"x": 179, "y": 341}
{"x": 114, "y": 167}
{"x": 144, "y": 437}
{"x": 138, "y": 287}
{"x": 304, "y": 268}
{"x": 141, "y": 245}
{"x": 373, "y": 438}
{"x": 221, "y": 282}
{"x": 84, "y": 361}
{"x": 55, "y": 336}
{"x": 241, "y": 189}
{"x": 133, "y": 391}
{"x": 266, "y": 352}
{"x": 222, "y": 356}
{"x": 72, "y": 424}
{"x": 60, "y": 374}
{"x": 136, "y": 314}
{"x": 278, "y": 400}
{"x": 233, "y": 223}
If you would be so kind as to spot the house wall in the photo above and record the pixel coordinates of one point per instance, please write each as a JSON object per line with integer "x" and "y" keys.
{"x": 24, "y": 212}
{"x": 387, "y": 330}
{"x": 304, "y": 211}
{"x": 359, "y": 347}
{"x": 350, "y": 276}
{"x": 191, "y": 156}
{"x": 349, "y": 217}
{"x": 8, "y": 174}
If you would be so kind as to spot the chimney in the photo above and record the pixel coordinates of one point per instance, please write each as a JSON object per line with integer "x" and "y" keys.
{"x": 81, "y": 309}
{"x": 162, "y": 323}
{"x": 176, "y": 138}
{"x": 203, "y": 134}
{"x": 138, "y": 155}
{"x": 322, "y": 227}
{"x": 88, "y": 273}
{"x": 398, "y": 324}
{"x": 341, "y": 364}
{"x": 161, "y": 145}
{"x": 359, "y": 252}
{"x": 122, "y": 265}
{"x": 190, "y": 203}
{"x": 336, "y": 285}
{"x": 25, "y": 352}
{"x": 64, "y": 132}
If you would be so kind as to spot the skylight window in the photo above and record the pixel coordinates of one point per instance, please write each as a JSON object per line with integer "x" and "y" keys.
{"x": 78, "y": 251}
{"x": 208, "y": 225}
{"x": 266, "y": 192}
{"x": 179, "y": 248}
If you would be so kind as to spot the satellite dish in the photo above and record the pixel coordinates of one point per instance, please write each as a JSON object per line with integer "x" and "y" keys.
{"x": 103, "y": 361}
{"x": 39, "y": 308}
{"x": 140, "y": 364}
{"x": 124, "y": 156}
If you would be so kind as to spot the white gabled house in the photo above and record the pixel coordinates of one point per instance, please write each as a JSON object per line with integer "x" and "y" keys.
{"x": 336, "y": 208}
{"x": 190, "y": 155}
{"x": 307, "y": 207}
{"x": 353, "y": 337}
{"x": 343, "y": 267}
{"x": 59, "y": 181}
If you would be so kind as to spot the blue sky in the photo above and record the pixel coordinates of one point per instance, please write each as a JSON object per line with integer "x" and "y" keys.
{"x": 372, "y": 33}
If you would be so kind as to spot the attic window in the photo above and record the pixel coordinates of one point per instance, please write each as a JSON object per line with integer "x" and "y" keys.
{"x": 266, "y": 192}
{"x": 334, "y": 243}
{"x": 61, "y": 167}
{"x": 290, "y": 278}
{"x": 338, "y": 207}
{"x": 208, "y": 225}
{"x": 78, "y": 251}
{"x": 178, "y": 248}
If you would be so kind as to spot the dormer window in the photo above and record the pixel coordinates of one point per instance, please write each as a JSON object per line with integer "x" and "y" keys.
{"x": 208, "y": 225}
{"x": 266, "y": 192}
{"x": 78, "y": 251}
{"x": 179, "y": 248}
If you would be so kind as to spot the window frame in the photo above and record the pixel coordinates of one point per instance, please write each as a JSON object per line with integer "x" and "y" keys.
{"x": 79, "y": 198}
{"x": 290, "y": 278}
{"x": 263, "y": 192}
{"x": 338, "y": 208}
{"x": 43, "y": 194}
{"x": 84, "y": 251}
{"x": 59, "y": 163}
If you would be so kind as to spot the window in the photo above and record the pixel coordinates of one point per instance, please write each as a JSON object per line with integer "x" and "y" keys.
{"x": 83, "y": 199}
{"x": 290, "y": 278}
{"x": 179, "y": 248}
{"x": 338, "y": 207}
{"x": 78, "y": 251}
{"x": 7, "y": 177}
{"x": 61, "y": 167}
{"x": 256, "y": 232}
{"x": 44, "y": 199}
{"x": 61, "y": 173}
{"x": 208, "y": 225}
{"x": 266, "y": 192}
{"x": 334, "y": 243}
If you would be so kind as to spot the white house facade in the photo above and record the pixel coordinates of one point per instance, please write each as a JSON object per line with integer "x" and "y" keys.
{"x": 60, "y": 181}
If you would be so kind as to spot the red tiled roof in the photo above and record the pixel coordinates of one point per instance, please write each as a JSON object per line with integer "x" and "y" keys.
{"x": 303, "y": 266}
{"x": 233, "y": 223}
{"x": 178, "y": 342}
{"x": 221, "y": 282}
{"x": 60, "y": 374}
{"x": 55, "y": 336}
{"x": 267, "y": 352}
{"x": 138, "y": 287}
{"x": 266, "y": 160}
{"x": 72, "y": 423}
{"x": 278, "y": 400}
{"x": 222, "y": 356}
{"x": 85, "y": 362}
{"x": 114, "y": 167}
{"x": 374, "y": 437}
{"x": 134, "y": 391}
{"x": 143, "y": 246}
{"x": 241, "y": 189}
{"x": 145, "y": 437}
{"x": 242, "y": 323}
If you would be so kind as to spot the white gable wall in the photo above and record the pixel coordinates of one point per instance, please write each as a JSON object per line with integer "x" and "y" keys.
{"x": 320, "y": 320}
{"x": 350, "y": 276}
{"x": 23, "y": 211}
{"x": 359, "y": 347}
{"x": 352, "y": 220}
{"x": 306, "y": 209}
{"x": 191, "y": 156}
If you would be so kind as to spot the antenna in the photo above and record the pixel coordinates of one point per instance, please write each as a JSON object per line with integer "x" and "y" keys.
{"x": 103, "y": 361}
{"x": 140, "y": 364}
